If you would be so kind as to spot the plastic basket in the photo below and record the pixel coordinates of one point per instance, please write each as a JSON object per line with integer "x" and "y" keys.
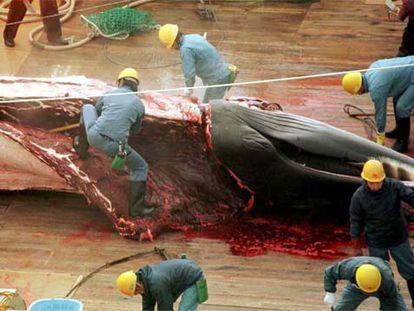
{"x": 56, "y": 304}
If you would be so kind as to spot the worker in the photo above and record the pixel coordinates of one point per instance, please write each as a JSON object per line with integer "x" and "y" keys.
{"x": 367, "y": 277}
{"x": 164, "y": 282}
{"x": 381, "y": 84}
{"x": 107, "y": 127}
{"x": 199, "y": 58}
{"x": 376, "y": 209}
{"x": 17, "y": 11}
{"x": 407, "y": 43}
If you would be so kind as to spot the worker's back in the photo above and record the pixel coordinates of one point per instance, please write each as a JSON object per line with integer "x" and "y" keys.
{"x": 392, "y": 81}
{"x": 174, "y": 275}
{"x": 209, "y": 65}
{"x": 118, "y": 113}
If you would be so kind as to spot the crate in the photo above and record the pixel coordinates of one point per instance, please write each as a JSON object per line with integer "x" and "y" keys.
{"x": 56, "y": 304}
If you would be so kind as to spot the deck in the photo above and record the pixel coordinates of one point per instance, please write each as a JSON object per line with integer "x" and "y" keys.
{"x": 48, "y": 239}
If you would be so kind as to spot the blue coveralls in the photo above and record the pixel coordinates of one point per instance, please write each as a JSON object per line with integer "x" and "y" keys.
{"x": 388, "y": 294}
{"x": 200, "y": 58}
{"x": 110, "y": 121}
{"x": 393, "y": 82}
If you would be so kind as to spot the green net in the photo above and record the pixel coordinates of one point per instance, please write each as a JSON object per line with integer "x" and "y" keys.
{"x": 119, "y": 23}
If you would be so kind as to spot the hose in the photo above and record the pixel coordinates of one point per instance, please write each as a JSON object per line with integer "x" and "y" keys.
{"x": 361, "y": 115}
{"x": 66, "y": 10}
{"x": 38, "y": 17}
{"x": 365, "y": 118}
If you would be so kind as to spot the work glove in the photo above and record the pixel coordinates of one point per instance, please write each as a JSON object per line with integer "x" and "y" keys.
{"x": 187, "y": 92}
{"x": 381, "y": 138}
{"x": 329, "y": 299}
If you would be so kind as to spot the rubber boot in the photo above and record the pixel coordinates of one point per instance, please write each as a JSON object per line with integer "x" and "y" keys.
{"x": 394, "y": 133}
{"x": 401, "y": 145}
{"x": 410, "y": 285}
{"x": 80, "y": 143}
{"x": 137, "y": 206}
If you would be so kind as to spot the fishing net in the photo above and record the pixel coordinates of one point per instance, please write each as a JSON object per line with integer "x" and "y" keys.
{"x": 119, "y": 23}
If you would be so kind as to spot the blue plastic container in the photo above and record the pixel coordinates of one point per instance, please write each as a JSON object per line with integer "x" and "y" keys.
{"x": 56, "y": 304}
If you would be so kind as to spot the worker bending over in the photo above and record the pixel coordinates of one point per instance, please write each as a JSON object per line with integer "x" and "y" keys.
{"x": 376, "y": 209}
{"x": 107, "y": 127}
{"x": 199, "y": 58}
{"x": 381, "y": 84}
{"x": 367, "y": 277}
{"x": 164, "y": 282}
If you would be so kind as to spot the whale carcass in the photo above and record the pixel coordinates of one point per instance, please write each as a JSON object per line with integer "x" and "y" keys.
{"x": 208, "y": 163}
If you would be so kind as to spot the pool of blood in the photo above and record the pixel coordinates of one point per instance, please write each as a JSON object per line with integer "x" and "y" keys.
{"x": 259, "y": 234}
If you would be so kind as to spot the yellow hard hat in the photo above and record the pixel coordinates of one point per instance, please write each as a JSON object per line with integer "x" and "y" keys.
{"x": 127, "y": 282}
{"x": 128, "y": 73}
{"x": 373, "y": 171}
{"x": 352, "y": 82}
{"x": 167, "y": 34}
{"x": 368, "y": 278}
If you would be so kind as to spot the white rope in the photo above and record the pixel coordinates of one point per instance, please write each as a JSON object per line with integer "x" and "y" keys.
{"x": 329, "y": 74}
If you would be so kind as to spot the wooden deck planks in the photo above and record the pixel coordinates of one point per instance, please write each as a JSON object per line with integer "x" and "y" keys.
{"x": 46, "y": 242}
{"x": 45, "y": 247}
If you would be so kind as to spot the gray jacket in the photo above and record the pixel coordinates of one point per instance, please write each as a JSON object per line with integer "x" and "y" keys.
{"x": 380, "y": 214}
{"x": 345, "y": 270}
{"x": 200, "y": 58}
{"x": 166, "y": 281}
{"x": 119, "y": 115}
{"x": 385, "y": 83}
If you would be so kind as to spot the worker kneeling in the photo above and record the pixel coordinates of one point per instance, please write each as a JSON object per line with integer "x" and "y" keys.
{"x": 164, "y": 282}
{"x": 367, "y": 277}
{"x": 107, "y": 126}
{"x": 395, "y": 82}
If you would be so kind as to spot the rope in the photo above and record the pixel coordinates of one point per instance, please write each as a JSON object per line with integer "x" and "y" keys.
{"x": 329, "y": 74}
{"x": 62, "y": 10}
{"x": 361, "y": 115}
{"x": 62, "y": 20}
{"x": 67, "y": 11}
{"x": 369, "y": 123}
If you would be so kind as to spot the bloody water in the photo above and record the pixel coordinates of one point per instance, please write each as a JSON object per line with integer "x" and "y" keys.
{"x": 257, "y": 235}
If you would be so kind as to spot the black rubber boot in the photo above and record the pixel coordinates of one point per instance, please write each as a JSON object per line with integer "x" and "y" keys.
{"x": 9, "y": 42}
{"x": 410, "y": 285}
{"x": 401, "y": 145}
{"x": 80, "y": 143}
{"x": 394, "y": 133}
{"x": 137, "y": 206}
{"x": 407, "y": 42}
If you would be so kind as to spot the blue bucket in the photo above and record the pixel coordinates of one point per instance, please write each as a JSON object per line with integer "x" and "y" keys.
{"x": 56, "y": 304}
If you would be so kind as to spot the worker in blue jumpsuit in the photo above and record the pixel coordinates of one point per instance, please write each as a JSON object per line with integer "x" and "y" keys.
{"x": 161, "y": 284}
{"x": 107, "y": 126}
{"x": 376, "y": 209}
{"x": 367, "y": 277}
{"x": 199, "y": 58}
{"x": 381, "y": 84}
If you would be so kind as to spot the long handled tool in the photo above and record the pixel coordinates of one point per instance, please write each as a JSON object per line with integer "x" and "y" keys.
{"x": 160, "y": 251}
{"x": 65, "y": 128}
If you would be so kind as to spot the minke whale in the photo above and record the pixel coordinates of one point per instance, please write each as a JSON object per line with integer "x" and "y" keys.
{"x": 208, "y": 163}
